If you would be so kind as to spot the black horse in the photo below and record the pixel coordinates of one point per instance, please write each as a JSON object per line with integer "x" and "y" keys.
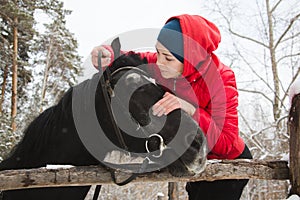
{"x": 54, "y": 138}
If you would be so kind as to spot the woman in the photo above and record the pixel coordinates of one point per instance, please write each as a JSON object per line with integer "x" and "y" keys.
{"x": 202, "y": 86}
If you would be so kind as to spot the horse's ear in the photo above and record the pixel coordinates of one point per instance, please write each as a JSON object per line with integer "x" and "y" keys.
{"x": 116, "y": 46}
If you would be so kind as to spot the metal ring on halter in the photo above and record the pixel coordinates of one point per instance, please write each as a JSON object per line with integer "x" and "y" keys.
{"x": 162, "y": 145}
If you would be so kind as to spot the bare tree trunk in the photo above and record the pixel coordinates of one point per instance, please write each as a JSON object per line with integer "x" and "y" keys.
{"x": 46, "y": 75}
{"x": 14, "y": 75}
{"x": 3, "y": 87}
{"x": 272, "y": 48}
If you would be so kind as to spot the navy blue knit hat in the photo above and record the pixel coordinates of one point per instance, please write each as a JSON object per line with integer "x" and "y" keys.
{"x": 171, "y": 37}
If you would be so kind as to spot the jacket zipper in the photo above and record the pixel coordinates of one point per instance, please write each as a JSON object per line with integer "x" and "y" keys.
{"x": 174, "y": 85}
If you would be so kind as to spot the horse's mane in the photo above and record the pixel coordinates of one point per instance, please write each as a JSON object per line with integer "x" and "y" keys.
{"x": 129, "y": 59}
{"x": 43, "y": 131}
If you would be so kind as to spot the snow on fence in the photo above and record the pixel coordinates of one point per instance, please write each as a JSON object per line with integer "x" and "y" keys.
{"x": 93, "y": 175}
{"x": 215, "y": 169}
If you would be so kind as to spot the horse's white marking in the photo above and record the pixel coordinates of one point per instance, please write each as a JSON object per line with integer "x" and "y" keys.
{"x": 133, "y": 77}
{"x": 136, "y": 78}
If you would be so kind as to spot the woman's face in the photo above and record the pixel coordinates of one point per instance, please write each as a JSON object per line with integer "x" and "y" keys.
{"x": 168, "y": 64}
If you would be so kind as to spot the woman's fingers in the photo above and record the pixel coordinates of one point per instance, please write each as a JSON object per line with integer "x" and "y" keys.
{"x": 167, "y": 104}
{"x": 105, "y": 56}
{"x": 170, "y": 102}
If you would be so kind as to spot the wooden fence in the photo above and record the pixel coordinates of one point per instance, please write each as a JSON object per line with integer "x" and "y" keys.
{"x": 215, "y": 169}
{"x": 91, "y": 175}
{"x": 294, "y": 130}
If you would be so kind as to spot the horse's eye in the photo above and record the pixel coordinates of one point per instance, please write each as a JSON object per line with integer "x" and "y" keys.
{"x": 133, "y": 78}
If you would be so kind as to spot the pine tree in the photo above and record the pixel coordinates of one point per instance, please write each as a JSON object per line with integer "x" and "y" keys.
{"x": 16, "y": 32}
{"x": 18, "y": 37}
{"x": 60, "y": 62}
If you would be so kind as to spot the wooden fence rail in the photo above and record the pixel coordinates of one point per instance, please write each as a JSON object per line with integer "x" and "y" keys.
{"x": 91, "y": 175}
{"x": 215, "y": 169}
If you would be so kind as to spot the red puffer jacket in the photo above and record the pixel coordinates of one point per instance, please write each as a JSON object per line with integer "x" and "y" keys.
{"x": 208, "y": 84}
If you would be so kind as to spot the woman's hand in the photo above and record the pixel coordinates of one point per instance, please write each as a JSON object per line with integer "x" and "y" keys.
{"x": 105, "y": 59}
{"x": 170, "y": 102}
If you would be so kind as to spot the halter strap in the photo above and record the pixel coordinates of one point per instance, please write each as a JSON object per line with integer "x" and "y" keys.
{"x": 107, "y": 103}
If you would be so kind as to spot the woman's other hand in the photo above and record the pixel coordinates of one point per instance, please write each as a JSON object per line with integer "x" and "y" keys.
{"x": 170, "y": 102}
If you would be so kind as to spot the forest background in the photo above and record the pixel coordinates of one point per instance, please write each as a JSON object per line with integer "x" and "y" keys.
{"x": 41, "y": 57}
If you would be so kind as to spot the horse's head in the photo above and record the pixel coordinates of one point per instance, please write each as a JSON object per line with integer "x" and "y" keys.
{"x": 133, "y": 87}
{"x": 134, "y": 94}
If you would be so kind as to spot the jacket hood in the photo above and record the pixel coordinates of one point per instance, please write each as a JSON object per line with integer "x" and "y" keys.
{"x": 200, "y": 38}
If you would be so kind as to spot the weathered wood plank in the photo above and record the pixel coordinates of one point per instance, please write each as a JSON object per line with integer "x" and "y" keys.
{"x": 294, "y": 130}
{"x": 92, "y": 175}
